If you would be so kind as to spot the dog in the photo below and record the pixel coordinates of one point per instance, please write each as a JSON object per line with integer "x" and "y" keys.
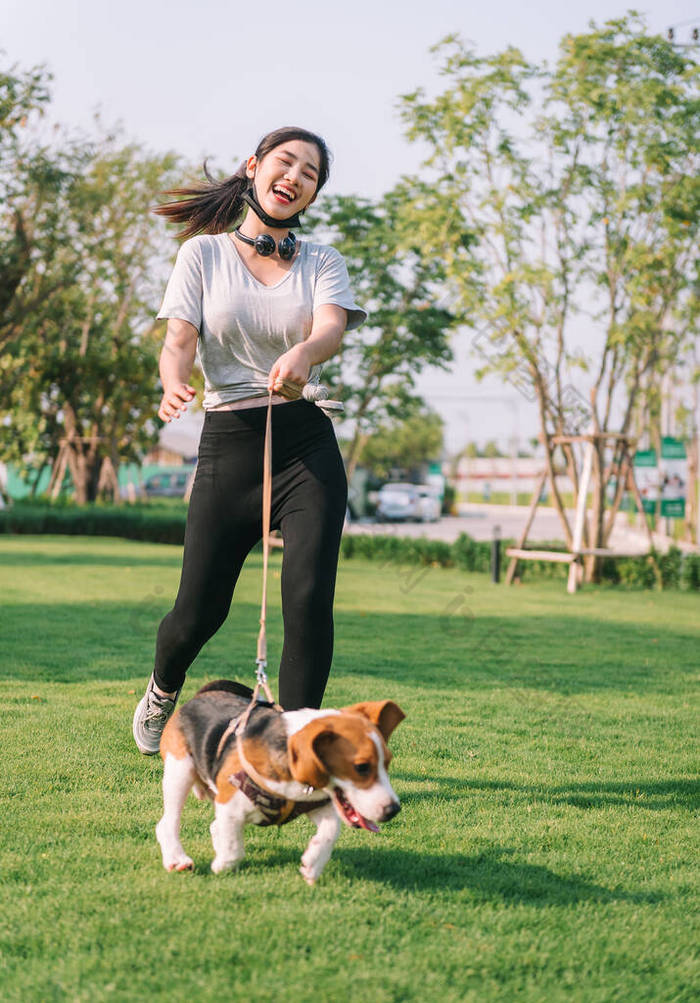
{"x": 269, "y": 767}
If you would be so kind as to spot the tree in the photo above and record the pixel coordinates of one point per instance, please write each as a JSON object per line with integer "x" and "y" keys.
{"x": 31, "y": 180}
{"x": 405, "y": 444}
{"x": 577, "y": 193}
{"x": 85, "y": 267}
{"x": 409, "y": 327}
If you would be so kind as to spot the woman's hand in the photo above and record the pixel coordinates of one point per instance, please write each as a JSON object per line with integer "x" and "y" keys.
{"x": 175, "y": 400}
{"x": 176, "y": 360}
{"x": 294, "y": 367}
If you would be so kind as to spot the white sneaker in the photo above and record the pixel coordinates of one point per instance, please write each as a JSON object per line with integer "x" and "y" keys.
{"x": 150, "y": 718}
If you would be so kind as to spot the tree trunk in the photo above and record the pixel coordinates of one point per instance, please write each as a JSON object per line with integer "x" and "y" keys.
{"x": 357, "y": 445}
{"x": 78, "y": 473}
{"x": 691, "y": 506}
{"x": 549, "y": 459}
{"x": 592, "y": 563}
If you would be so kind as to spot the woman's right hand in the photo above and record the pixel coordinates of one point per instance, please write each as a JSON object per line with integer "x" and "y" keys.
{"x": 175, "y": 400}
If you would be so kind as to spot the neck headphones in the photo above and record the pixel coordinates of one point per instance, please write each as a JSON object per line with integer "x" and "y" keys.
{"x": 265, "y": 245}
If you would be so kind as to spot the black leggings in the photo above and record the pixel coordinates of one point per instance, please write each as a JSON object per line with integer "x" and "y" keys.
{"x": 309, "y": 498}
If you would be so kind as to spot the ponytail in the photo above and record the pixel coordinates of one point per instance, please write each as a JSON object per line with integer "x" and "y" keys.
{"x": 209, "y": 207}
{"x": 216, "y": 206}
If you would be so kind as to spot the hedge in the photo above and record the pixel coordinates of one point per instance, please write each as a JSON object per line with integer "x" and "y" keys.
{"x": 132, "y": 522}
{"x": 167, "y": 525}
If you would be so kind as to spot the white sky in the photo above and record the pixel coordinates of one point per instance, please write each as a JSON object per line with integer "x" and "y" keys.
{"x": 208, "y": 78}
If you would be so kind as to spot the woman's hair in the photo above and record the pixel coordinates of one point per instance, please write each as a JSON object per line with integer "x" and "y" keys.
{"x": 215, "y": 206}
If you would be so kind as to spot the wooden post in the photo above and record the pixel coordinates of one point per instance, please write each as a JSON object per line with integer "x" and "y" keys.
{"x": 580, "y": 516}
{"x": 190, "y": 484}
{"x": 108, "y": 480}
{"x": 510, "y": 574}
{"x": 59, "y": 471}
{"x": 580, "y": 549}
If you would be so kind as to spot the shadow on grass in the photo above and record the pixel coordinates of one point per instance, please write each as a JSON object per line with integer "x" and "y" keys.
{"x": 80, "y": 558}
{"x": 652, "y": 795}
{"x": 493, "y": 875}
{"x": 562, "y": 655}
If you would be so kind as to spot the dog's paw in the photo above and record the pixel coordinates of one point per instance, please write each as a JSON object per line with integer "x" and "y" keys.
{"x": 309, "y": 875}
{"x": 179, "y": 863}
{"x": 219, "y": 864}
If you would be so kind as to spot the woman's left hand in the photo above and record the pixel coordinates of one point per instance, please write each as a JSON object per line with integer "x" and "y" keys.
{"x": 294, "y": 367}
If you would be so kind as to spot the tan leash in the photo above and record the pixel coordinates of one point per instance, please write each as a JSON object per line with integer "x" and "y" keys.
{"x": 261, "y": 658}
{"x": 292, "y": 391}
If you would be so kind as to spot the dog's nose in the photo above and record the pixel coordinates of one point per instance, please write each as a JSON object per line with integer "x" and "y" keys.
{"x": 391, "y": 809}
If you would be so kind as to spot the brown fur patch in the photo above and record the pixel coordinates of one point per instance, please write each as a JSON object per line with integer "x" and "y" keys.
{"x": 334, "y": 745}
{"x": 172, "y": 741}
{"x": 265, "y": 760}
{"x": 346, "y": 745}
{"x": 385, "y": 714}
{"x": 224, "y": 788}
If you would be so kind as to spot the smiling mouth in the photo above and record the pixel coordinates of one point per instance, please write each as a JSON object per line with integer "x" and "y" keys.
{"x": 283, "y": 195}
{"x": 350, "y": 814}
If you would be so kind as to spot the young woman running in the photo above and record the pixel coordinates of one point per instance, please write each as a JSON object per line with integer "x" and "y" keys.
{"x": 261, "y": 309}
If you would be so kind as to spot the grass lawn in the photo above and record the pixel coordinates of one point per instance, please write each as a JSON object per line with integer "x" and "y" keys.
{"x": 547, "y": 848}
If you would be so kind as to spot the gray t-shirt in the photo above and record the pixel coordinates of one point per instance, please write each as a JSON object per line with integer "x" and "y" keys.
{"x": 244, "y": 326}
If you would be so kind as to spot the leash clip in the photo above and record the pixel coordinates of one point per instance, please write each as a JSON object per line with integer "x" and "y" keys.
{"x": 260, "y": 674}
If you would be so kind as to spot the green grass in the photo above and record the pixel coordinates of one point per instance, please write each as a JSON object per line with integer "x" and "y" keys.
{"x": 547, "y": 847}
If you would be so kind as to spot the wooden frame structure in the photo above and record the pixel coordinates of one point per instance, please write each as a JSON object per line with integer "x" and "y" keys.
{"x": 574, "y": 556}
{"x": 108, "y": 480}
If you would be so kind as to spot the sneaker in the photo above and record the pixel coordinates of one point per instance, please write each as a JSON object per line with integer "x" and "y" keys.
{"x": 150, "y": 717}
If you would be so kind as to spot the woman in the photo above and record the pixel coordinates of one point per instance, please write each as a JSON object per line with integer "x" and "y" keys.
{"x": 262, "y": 310}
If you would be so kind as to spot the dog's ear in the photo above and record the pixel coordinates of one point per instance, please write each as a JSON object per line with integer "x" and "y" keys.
{"x": 384, "y": 713}
{"x": 305, "y": 763}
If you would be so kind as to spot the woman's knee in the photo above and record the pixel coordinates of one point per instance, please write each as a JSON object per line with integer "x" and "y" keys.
{"x": 191, "y": 626}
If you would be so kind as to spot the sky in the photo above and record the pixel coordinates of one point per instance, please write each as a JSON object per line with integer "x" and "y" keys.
{"x": 208, "y": 79}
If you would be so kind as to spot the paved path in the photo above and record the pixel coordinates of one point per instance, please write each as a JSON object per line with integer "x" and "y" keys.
{"x": 479, "y": 520}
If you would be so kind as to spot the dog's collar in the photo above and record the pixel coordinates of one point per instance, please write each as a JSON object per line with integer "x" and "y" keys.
{"x": 275, "y": 810}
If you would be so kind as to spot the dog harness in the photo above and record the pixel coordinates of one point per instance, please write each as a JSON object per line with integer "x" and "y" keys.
{"x": 216, "y": 722}
{"x": 275, "y": 810}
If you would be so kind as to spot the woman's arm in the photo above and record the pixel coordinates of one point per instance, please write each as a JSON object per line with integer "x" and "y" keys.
{"x": 176, "y": 361}
{"x": 327, "y": 330}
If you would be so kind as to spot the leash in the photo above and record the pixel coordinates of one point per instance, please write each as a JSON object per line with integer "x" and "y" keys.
{"x": 314, "y": 393}
{"x": 261, "y": 683}
{"x": 261, "y": 656}
{"x": 238, "y": 725}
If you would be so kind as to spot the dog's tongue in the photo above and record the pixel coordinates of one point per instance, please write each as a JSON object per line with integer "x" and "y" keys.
{"x": 351, "y": 815}
{"x": 364, "y": 823}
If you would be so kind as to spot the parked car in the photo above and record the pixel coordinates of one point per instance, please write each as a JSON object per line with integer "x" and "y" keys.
{"x": 431, "y": 503}
{"x": 167, "y": 484}
{"x": 408, "y": 502}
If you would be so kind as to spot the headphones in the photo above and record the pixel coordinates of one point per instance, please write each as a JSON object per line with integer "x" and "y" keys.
{"x": 265, "y": 245}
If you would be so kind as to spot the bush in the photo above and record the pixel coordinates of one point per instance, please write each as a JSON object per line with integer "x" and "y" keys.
{"x": 398, "y": 549}
{"x": 690, "y": 572}
{"x": 636, "y": 572}
{"x": 133, "y": 522}
{"x": 164, "y": 522}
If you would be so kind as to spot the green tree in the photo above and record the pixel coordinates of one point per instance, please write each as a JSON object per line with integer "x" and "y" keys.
{"x": 409, "y": 326}
{"x": 491, "y": 449}
{"x": 85, "y": 263}
{"x": 404, "y": 444}
{"x": 578, "y": 188}
{"x": 33, "y": 177}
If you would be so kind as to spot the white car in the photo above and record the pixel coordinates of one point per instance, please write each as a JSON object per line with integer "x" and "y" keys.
{"x": 431, "y": 504}
{"x": 408, "y": 502}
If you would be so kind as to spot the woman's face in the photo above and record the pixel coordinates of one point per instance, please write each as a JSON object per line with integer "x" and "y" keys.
{"x": 286, "y": 178}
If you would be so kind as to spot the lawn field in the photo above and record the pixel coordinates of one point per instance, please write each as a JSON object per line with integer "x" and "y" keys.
{"x": 548, "y": 844}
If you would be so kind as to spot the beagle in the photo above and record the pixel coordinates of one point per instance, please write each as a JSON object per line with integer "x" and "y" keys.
{"x": 329, "y": 764}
